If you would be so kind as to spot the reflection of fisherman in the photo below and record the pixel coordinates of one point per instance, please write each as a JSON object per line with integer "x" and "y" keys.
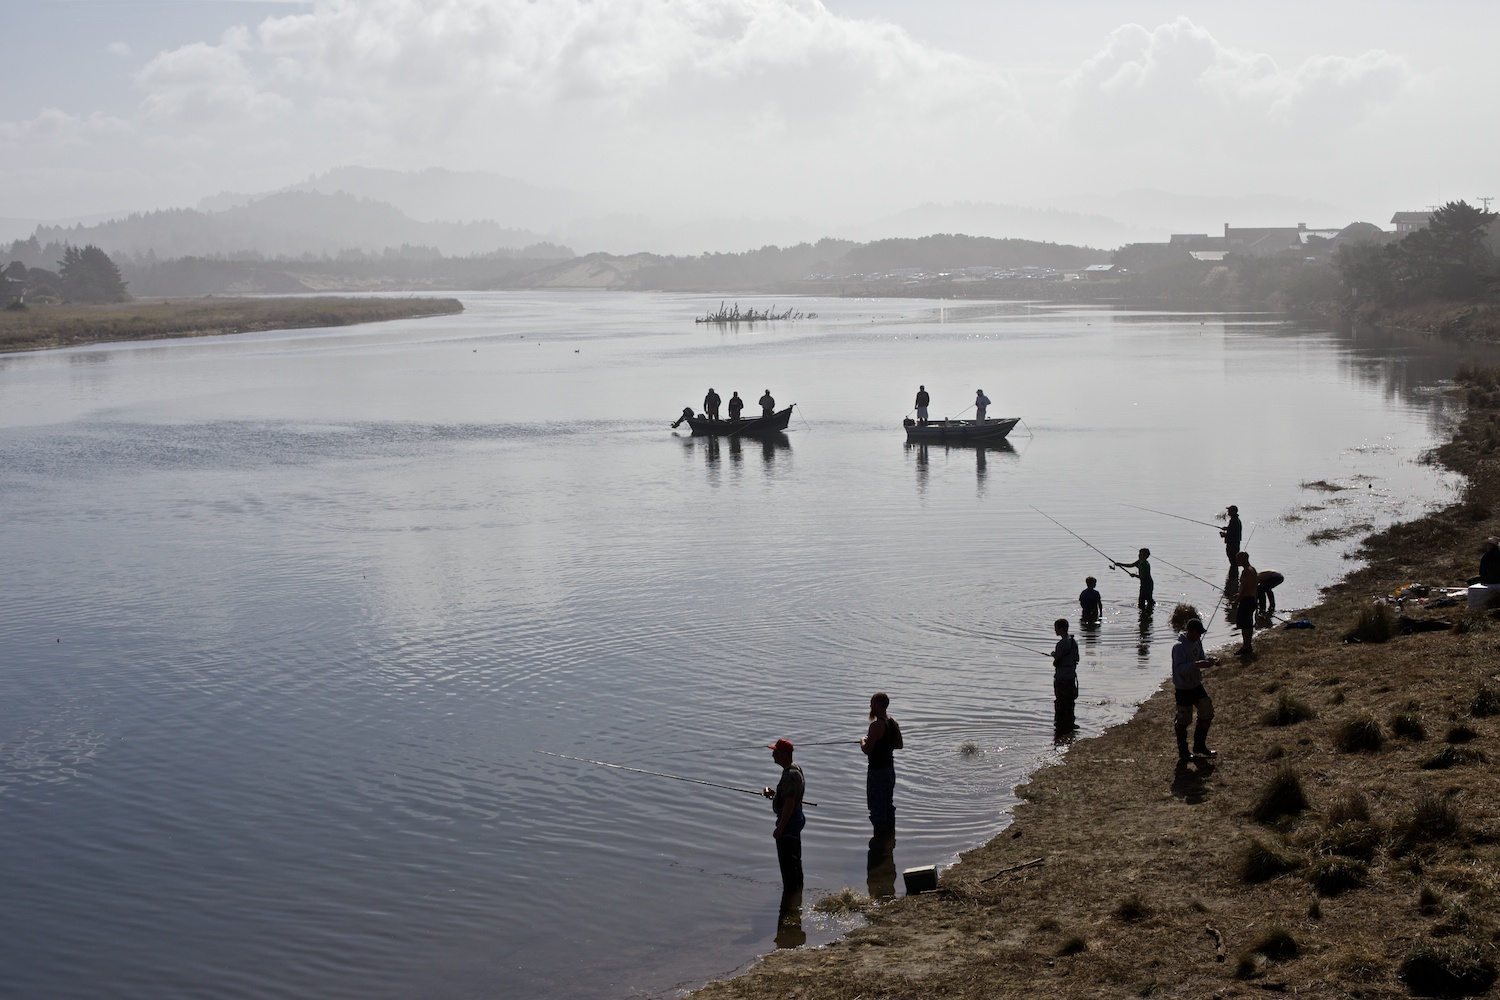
{"x": 767, "y": 404}
{"x": 1142, "y": 566}
{"x": 687, "y": 411}
{"x": 711, "y": 404}
{"x": 786, "y": 802}
{"x": 981, "y": 405}
{"x": 1231, "y": 533}
{"x": 736, "y": 404}
{"x": 1188, "y": 661}
{"x": 923, "y": 401}
{"x": 1265, "y": 591}
{"x": 1064, "y": 676}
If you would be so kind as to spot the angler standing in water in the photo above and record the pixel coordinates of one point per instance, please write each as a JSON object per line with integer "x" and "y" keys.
{"x": 1231, "y": 533}
{"x": 878, "y": 744}
{"x": 1064, "y": 677}
{"x": 786, "y": 803}
{"x": 1142, "y": 567}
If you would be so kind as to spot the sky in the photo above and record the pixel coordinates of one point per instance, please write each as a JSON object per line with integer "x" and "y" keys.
{"x": 679, "y": 109}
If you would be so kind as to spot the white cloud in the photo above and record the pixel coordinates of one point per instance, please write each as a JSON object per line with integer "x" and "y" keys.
{"x": 1176, "y": 86}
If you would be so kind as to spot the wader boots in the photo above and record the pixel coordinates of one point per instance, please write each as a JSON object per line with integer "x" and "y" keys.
{"x": 1200, "y": 741}
{"x": 1182, "y": 747}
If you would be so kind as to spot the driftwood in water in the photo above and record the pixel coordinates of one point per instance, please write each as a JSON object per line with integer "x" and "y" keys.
{"x": 733, "y": 315}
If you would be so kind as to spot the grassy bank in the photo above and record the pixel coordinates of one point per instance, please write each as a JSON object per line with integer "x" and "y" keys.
{"x": 1345, "y": 843}
{"x": 47, "y": 326}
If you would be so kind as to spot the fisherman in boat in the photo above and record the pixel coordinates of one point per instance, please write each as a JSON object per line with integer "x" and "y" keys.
{"x": 711, "y": 404}
{"x": 736, "y": 404}
{"x": 981, "y": 405}
{"x": 767, "y": 404}
{"x": 923, "y": 401}
{"x": 786, "y": 803}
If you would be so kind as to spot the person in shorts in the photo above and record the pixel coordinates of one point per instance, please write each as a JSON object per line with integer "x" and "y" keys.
{"x": 1188, "y": 662}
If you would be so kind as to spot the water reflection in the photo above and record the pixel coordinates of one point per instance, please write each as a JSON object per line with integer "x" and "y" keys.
{"x": 789, "y": 932}
{"x": 1147, "y": 622}
{"x": 880, "y": 866}
{"x": 713, "y": 448}
{"x": 923, "y": 457}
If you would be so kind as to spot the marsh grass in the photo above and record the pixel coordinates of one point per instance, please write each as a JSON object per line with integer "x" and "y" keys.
{"x": 1408, "y": 725}
{"x": 969, "y": 748}
{"x": 1486, "y": 701}
{"x": 1181, "y": 615}
{"x": 1461, "y": 732}
{"x": 1288, "y": 711}
{"x": 1335, "y": 875}
{"x": 1454, "y": 968}
{"x": 843, "y": 903}
{"x": 1348, "y": 807}
{"x": 1375, "y": 624}
{"x": 1452, "y": 756}
{"x": 1132, "y": 908}
{"x": 1261, "y": 861}
{"x": 1282, "y": 796}
{"x": 1360, "y": 734}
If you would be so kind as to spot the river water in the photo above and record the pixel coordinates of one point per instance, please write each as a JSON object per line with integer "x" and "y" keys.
{"x": 289, "y": 615}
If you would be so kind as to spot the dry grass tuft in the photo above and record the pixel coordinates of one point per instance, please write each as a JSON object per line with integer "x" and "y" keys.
{"x": 1276, "y": 943}
{"x": 1352, "y": 839}
{"x": 1333, "y": 876}
{"x": 1132, "y": 909}
{"x": 1452, "y": 756}
{"x": 1288, "y": 711}
{"x": 1486, "y": 701}
{"x": 1408, "y": 725}
{"x": 1457, "y": 968}
{"x": 1360, "y": 734}
{"x": 1072, "y": 946}
{"x": 1347, "y": 807}
{"x": 1433, "y": 818}
{"x": 1375, "y": 624}
{"x": 1182, "y": 614}
{"x": 1261, "y": 861}
{"x": 844, "y": 902}
{"x": 1461, "y": 733}
{"x": 969, "y": 748}
{"x": 1282, "y": 796}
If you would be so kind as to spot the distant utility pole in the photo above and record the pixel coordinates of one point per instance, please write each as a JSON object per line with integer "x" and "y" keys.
{"x": 1486, "y": 201}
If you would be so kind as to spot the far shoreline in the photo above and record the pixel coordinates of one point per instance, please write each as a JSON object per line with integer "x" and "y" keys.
{"x": 49, "y": 327}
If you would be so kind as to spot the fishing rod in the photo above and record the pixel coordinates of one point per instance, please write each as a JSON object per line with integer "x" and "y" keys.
{"x": 1112, "y": 562}
{"x": 1179, "y": 517}
{"x": 662, "y": 774}
{"x": 1012, "y": 642}
{"x": 762, "y": 746}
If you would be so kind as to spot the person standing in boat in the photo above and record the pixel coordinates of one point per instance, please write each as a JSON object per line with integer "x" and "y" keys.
{"x": 879, "y": 744}
{"x": 711, "y": 404}
{"x": 1142, "y": 567}
{"x": 981, "y": 405}
{"x": 767, "y": 404}
{"x": 786, "y": 803}
{"x": 923, "y": 401}
{"x": 736, "y": 404}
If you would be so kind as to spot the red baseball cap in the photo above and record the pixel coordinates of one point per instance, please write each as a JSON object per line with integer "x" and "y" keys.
{"x": 782, "y": 744}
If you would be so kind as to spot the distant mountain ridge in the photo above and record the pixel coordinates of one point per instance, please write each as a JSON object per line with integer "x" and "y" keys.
{"x": 287, "y": 224}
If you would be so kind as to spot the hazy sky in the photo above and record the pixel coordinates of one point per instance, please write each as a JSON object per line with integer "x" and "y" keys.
{"x": 772, "y": 108}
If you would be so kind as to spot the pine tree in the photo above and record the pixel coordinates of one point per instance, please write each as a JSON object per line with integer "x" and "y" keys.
{"x": 88, "y": 275}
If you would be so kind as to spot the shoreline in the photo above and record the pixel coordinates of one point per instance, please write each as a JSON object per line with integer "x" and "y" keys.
{"x": 40, "y": 328}
{"x": 1158, "y": 879}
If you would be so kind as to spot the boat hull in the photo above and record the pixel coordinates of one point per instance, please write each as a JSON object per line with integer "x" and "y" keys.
{"x": 960, "y": 431}
{"x": 753, "y": 427}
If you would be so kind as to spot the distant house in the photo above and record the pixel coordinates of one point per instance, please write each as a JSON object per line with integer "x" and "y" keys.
{"x": 1410, "y": 222}
{"x": 1263, "y": 242}
{"x": 1098, "y": 271}
{"x": 1208, "y": 255}
{"x": 1196, "y": 241}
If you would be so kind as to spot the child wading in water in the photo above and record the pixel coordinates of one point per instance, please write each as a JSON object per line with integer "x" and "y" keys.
{"x": 1142, "y": 566}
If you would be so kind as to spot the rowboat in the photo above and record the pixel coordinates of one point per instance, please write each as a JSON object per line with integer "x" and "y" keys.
{"x": 959, "y": 431}
{"x": 751, "y": 427}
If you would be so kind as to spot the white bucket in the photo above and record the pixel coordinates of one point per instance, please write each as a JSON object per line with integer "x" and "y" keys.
{"x": 1480, "y": 593}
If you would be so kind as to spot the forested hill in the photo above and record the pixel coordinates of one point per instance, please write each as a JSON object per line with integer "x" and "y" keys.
{"x": 943, "y": 252}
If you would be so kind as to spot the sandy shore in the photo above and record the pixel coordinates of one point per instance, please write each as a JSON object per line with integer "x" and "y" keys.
{"x": 1345, "y": 842}
{"x": 49, "y": 326}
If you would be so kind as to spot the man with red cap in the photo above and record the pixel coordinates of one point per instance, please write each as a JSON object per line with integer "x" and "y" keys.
{"x": 786, "y": 802}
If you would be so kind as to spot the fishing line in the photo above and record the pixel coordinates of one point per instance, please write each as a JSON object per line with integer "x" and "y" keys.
{"x": 661, "y": 774}
{"x": 1179, "y": 569}
{"x": 1075, "y": 534}
{"x": 762, "y": 746}
{"x": 1179, "y": 517}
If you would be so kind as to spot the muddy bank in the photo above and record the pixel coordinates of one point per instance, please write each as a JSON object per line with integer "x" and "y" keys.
{"x": 1345, "y": 842}
{"x": 47, "y": 326}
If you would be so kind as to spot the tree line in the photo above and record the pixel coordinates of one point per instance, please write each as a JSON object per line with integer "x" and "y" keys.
{"x": 84, "y": 274}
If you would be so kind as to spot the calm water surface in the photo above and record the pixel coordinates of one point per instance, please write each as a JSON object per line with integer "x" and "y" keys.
{"x": 287, "y": 615}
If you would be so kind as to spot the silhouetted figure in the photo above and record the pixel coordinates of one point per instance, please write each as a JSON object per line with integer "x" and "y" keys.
{"x": 736, "y": 404}
{"x": 687, "y": 411}
{"x": 1142, "y": 567}
{"x": 767, "y": 404}
{"x": 1489, "y": 563}
{"x": 923, "y": 401}
{"x": 1064, "y": 676}
{"x": 879, "y": 744}
{"x": 1245, "y": 601}
{"x": 1231, "y": 533}
{"x": 711, "y": 404}
{"x": 1090, "y": 603}
{"x": 981, "y": 404}
{"x": 1188, "y": 662}
{"x": 786, "y": 803}
{"x": 880, "y": 865}
{"x": 1265, "y": 590}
